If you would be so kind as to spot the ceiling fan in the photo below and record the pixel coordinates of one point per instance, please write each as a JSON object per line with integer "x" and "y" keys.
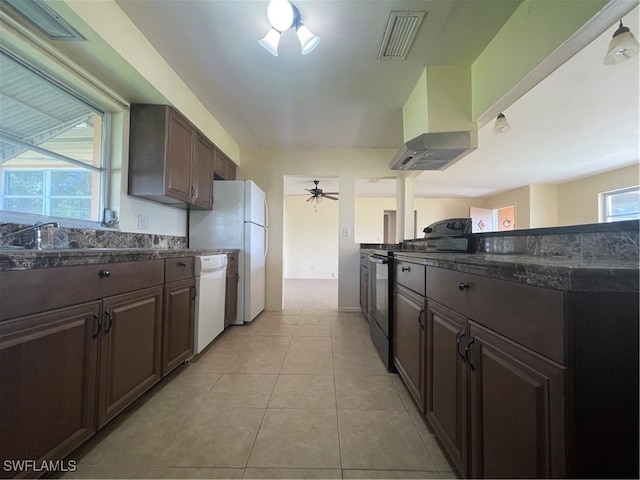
{"x": 317, "y": 194}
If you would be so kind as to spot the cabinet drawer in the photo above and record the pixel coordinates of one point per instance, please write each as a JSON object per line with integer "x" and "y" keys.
{"x": 31, "y": 291}
{"x": 179, "y": 268}
{"x": 531, "y": 316}
{"x": 411, "y": 275}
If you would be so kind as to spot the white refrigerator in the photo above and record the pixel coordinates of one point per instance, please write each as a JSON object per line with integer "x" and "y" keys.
{"x": 238, "y": 220}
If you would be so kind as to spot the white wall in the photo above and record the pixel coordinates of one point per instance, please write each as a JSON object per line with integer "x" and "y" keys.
{"x": 268, "y": 167}
{"x": 578, "y": 200}
{"x": 310, "y": 243}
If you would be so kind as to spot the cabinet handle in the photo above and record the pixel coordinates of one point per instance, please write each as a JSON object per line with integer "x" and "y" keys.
{"x": 406, "y": 269}
{"x": 420, "y": 318}
{"x": 195, "y": 293}
{"x": 104, "y": 273}
{"x": 193, "y": 192}
{"x": 462, "y": 286}
{"x": 98, "y": 322}
{"x": 110, "y": 324}
{"x": 466, "y": 354}
{"x": 237, "y": 277}
{"x": 182, "y": 264}
{"x": 460, "y": 337}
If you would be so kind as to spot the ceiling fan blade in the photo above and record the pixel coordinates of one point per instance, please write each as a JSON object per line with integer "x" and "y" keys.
{"x": 332, "y": 193}
{"x": 330, "y": 197}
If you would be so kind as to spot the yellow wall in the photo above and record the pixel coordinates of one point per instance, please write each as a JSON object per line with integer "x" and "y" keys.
{"x": 268, "y": 167}
{"x": 369, "y": 218}
{"x": 518, "y": 197}
{"x": 310, "y": 243}
{"x": 534, "y": 31}
{"x": 578, "y": 200}
{"x": 433, "y": 209}
{"x": 543, "y": 206}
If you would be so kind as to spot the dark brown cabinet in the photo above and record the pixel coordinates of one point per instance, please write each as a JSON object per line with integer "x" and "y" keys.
{"x": 408, "y": 326}
{"x": 179, "y": 311}
{"x": 224, "y": 168}
{"x": 73, "y": 358}
{"x": 408, "y": 340}
{"x": 446, "y": 381}
{"x": 498, "y": 405}
{"x": 516, "y": 401}
{"x": 48, "y": 367}
{"x": 231, "y": 290}
{"x": 170, "y": 161}
{"x": 130, "y": 350}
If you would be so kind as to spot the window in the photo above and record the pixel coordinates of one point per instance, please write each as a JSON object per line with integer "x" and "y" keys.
{"x": 622, "y": 205}
{"x": 51, "y": 146}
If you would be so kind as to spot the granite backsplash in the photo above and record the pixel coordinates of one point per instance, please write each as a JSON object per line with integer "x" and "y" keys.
{"x": 53, "y": 237}
{"x": 619, "y": 241}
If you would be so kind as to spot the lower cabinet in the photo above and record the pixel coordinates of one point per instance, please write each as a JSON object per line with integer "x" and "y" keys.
{"x": 516, "y": 405}
{"x": 130, "y": 350}
{"x": 48, "y": 367}
{"x": 446, "y": 381}
{"x": 178, "y": 327}
{"x": 408, "y": 340}
{"x": 231, "y": 290}
{"x": 66, "y": 371}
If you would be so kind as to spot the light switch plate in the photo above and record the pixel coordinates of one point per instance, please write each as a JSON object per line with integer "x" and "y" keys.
{"x": 346, "y": 232}
{"x": 143, "y": 222}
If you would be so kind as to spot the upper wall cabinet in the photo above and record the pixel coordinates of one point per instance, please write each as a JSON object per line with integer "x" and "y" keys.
{"x": 223, "y": 167}
{"x": 170, "y": 161}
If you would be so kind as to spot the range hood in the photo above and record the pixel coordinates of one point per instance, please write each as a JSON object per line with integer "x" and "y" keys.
{"x": 433, "y": 151}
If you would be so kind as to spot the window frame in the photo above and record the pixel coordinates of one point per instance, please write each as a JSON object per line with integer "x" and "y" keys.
{"x": 605, "y": 214}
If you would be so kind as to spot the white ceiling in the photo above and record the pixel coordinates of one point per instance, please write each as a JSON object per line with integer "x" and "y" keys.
{"x": 580, "y": 121}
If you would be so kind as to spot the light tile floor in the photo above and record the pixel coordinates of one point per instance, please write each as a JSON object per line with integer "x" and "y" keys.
{"x": 300, "y": 393}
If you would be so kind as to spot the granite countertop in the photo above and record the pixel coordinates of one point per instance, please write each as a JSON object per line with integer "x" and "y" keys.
{"x": 556, "y": 272}
{"x": 16, "y": 259}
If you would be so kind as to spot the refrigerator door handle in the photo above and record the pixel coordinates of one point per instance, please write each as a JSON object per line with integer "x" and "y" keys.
{"x": 266, "y": 242}
{"x": 266, "y": 211}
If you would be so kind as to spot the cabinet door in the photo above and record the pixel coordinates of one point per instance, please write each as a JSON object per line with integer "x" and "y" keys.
{"x": 47, "y": 383}
{"x": 179, "y": 308}
{"x": 231, "y": 291}
{"x": 516, "y": 410}
{"x": 408, "y": 340}
{"x": 364, "y": 290}
{"x": 178, "y": 158}
{"x": 202, "y": 173}
{"x": 130, "y": 351}
{"x": 446, "y": 381}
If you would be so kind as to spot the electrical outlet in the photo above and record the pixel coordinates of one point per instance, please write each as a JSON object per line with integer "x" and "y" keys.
{"x": 143, "y": 222}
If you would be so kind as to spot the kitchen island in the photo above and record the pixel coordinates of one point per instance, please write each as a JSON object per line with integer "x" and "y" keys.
{"x": 523, "y": 357}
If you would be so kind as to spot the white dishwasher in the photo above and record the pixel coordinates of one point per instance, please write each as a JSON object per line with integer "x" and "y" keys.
{"x": 210, "y": 271}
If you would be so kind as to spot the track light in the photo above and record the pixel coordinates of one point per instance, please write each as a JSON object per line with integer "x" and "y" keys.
{"x": 282, "y": 16}
{"x": 501, "y": 125}
{"x": 622, "y": 47}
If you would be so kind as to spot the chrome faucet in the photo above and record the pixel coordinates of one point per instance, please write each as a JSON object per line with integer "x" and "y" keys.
{"x": 37, "y": 232}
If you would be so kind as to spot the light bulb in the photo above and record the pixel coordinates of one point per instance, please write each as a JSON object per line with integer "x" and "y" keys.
{"x": 280, "y": 14}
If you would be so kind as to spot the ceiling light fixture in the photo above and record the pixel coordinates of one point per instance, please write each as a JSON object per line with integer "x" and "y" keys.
{"x": 622, "y": 47}
{"x": 282, "y": 16}
{"x": 501, "y": 125}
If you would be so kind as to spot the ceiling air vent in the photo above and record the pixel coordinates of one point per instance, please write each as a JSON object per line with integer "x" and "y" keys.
{"x": 401, "y": 30}
{"x": 44, "y": 18}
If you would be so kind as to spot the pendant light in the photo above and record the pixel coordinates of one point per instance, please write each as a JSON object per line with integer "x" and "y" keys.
{"x": 282, "y": 16}
{"x": 501, "y": 125}
{"x": 622, "y": 47}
